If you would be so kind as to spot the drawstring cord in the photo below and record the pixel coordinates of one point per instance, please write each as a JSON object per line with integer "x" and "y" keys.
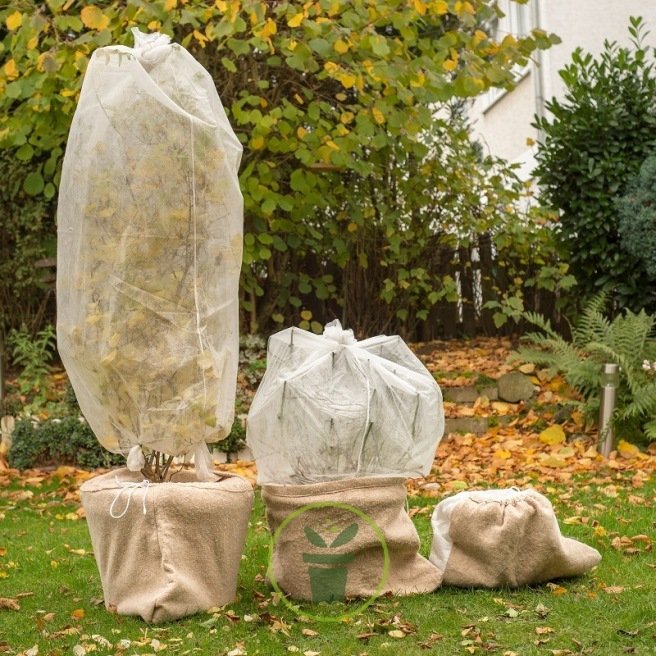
{"x": 132, "y": 487}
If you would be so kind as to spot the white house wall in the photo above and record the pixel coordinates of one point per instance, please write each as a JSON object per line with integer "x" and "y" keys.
{"x": 502, "y": 121}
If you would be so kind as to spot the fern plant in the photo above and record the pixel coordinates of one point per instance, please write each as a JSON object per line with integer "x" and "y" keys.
{"x": 628, "y": 340}
{"x": 33, "y": 355}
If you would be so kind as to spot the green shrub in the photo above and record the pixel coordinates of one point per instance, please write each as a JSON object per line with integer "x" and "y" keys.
{"x": 32, "y": 355}
{"x": 593, "y": 143}
{"x": 628, "y": 340}
{"x": 66, "y": 441}
{"x": 637, "y": 214}
{"x": 235, "y": 441}
{"x": 351, "y": 187}
{"x": 27, "y": 234}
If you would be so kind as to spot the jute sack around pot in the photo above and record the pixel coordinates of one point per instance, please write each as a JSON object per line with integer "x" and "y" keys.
{"x": 330, "y": 540}
{"x": 496, "y": 538}
{"x": 167, "y": 550}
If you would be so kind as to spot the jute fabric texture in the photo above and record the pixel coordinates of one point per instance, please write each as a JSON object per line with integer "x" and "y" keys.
{"x": 167, "y": 550}
{"x": 497, "y": 538}
{"x": 332, "y": 539}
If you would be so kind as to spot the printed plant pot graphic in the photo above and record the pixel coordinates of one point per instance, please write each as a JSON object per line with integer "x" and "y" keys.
{"x": 360, "y": 525}
{"x": 328, "y": 576}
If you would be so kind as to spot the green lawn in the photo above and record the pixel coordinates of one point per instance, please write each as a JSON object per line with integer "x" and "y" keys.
{"x": 47, "y": 567}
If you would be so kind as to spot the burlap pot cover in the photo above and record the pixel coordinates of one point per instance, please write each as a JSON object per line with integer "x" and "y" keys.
{"x": 167, "y": 550}
{"x": 496, "y": 538}
{"x": 331, "y": 552}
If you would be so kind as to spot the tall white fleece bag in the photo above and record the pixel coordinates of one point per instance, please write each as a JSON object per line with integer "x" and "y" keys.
{"x": 149, "y": 251}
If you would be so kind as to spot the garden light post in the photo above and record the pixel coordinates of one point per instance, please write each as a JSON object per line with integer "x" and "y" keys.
{"x": 610, "y": 378}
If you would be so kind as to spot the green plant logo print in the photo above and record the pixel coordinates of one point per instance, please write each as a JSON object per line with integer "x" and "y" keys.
{"x": 328, "y": 571}
{"x": 328, "y": 563}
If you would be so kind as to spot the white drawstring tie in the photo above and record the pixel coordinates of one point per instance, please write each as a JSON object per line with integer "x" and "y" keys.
{"x": 132, "y": 487}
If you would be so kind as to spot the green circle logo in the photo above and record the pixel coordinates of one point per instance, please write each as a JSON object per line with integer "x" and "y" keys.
{"x": 328, "y": 571}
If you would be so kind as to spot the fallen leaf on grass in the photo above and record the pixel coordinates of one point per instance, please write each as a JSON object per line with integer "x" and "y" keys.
{"x": 641, "y": 538}
{"x": 9, "y": 604}
{"x": 231, "y": 616}
{"x": 78, "y": 614}
{"x": 553, "y": 435}
{"x": 102, "y": 641}
{"x": 431, "y": 640}
{"x": 543, "y": 630}
{"x": 627, "y": 546}
{"x": 276, "y": 625}
{"x": 557, "y": 590}
{"x": 552, "y": 461}
{"x": 502, "y": 408}
{"x": 237, "y": 651}
{"x": 21, "y": 495}
{"x": 614, "y": 589}
{"x": 66, "y": 631}
{"x": 396, "y": 633}
{"x": 310, "y": 633}
{"x": 627, "y": 450}
{"x": 77, "y": 552}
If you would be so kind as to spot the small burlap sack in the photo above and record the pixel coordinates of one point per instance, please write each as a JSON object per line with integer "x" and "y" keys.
{"x": 167, "y": 550}
{"x": 499, "y": 538}
{"x": 333, "y": 552}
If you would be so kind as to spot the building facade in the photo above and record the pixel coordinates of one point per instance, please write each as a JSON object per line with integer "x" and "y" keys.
{"x": 501, "y": 120}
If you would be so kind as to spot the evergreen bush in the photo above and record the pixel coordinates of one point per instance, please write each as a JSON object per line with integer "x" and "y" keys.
{"x": 65, "y": 441}
{"x": 637, "y": 215}
{"x": 594, "y": 142}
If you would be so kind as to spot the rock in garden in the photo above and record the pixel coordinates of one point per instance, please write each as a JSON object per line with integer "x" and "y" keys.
{"x": 515, "y": 386}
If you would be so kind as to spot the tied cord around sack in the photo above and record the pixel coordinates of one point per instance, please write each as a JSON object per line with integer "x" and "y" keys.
{"x": 132, "y": 486}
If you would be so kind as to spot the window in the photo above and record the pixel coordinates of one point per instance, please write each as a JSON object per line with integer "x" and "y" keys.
{"x": 516, "y": 21}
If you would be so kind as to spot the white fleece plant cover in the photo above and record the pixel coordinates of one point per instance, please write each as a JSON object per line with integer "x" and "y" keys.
{"x": 149, "y": 251}
{"x": 330, "y": 407}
